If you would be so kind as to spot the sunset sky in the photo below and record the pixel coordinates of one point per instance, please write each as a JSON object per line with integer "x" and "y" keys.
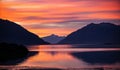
{"x": 61, "y": 17}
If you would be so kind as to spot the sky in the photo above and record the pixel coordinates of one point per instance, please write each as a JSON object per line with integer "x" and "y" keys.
{"x": 60, "y": 17}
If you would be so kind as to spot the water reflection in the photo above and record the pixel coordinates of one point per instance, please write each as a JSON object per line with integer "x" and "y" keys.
{"x": 74, "y": 60}
{"x": 16, "y": 62}
{"x": 96, "y": 46}
{"x": 53, "y": 59}
{"x": 100, "y": 57}
{"x": 66, "y": 56}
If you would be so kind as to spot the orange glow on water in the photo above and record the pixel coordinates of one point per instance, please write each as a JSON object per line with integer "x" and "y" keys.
{"x": 60, "y": 56}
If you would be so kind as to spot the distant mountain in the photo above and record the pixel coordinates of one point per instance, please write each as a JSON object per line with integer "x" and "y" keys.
{"x": 11, "y": 32}
{"x": 53, "y": 39}
{"x": 103, "y": 33}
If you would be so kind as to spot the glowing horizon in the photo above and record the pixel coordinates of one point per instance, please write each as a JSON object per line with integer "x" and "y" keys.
{"x": 46, "y": 17}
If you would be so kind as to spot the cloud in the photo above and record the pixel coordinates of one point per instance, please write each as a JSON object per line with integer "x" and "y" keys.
{"x": 116, "y": 21}
{"x": 75, "y": 24}
{"x": 22, "y": 1}
{"x": 66, "y": 15}
{"x": 40, "y": 26}
{"x": 91, "y": 12}
{"x": 48, "y": 18}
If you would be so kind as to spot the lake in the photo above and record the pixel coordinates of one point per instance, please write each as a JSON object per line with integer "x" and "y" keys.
{"x": 69, "y": 56}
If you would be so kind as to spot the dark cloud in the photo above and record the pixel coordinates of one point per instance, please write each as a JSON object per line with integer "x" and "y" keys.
{"x": 48, "y": 18}
{"x": 115, "y": 21}
{"x": 31, "y": 18}
{"x": 91, "y": 12}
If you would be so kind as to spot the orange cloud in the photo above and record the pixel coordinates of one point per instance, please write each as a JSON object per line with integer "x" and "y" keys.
{"x": 64, "y": 12}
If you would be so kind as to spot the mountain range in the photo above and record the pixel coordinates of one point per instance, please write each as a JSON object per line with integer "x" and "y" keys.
{"x": 53, "y": 39}
{"x": 10, "y": 32}
{"x": 102, "y": 33}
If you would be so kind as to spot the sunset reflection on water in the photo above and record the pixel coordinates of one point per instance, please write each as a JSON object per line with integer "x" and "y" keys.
{"x": 60, "y": 56}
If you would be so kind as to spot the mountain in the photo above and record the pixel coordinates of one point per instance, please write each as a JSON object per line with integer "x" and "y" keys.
{"x": 53, "y": 39}
{"x": 103, "y": 33}
{"x": 11, "y": 32}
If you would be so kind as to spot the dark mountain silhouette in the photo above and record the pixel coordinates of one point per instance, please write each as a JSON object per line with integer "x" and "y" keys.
{"x": 12, "y": 51}
{"x": 11, "y": 54}
{"x": 53, "y": 39}
{"x": 103, "y": 33}
{"x": 11, "y": 32}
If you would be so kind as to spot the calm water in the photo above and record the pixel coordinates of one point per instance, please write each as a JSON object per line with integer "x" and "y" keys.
{"x": 65, "y": 56}
{"x": 69, "y": 56}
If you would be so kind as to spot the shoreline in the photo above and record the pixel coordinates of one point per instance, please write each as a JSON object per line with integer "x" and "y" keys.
{"x": 49, "y": 68}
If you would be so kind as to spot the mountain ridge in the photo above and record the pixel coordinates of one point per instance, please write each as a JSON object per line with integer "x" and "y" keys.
{"x": 94, "y": 34}
{"x": 53, "y": 39}
{"x": 11, "y": 32}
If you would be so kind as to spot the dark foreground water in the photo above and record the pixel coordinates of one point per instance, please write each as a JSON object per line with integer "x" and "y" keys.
{"x": 69, "y": 56}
